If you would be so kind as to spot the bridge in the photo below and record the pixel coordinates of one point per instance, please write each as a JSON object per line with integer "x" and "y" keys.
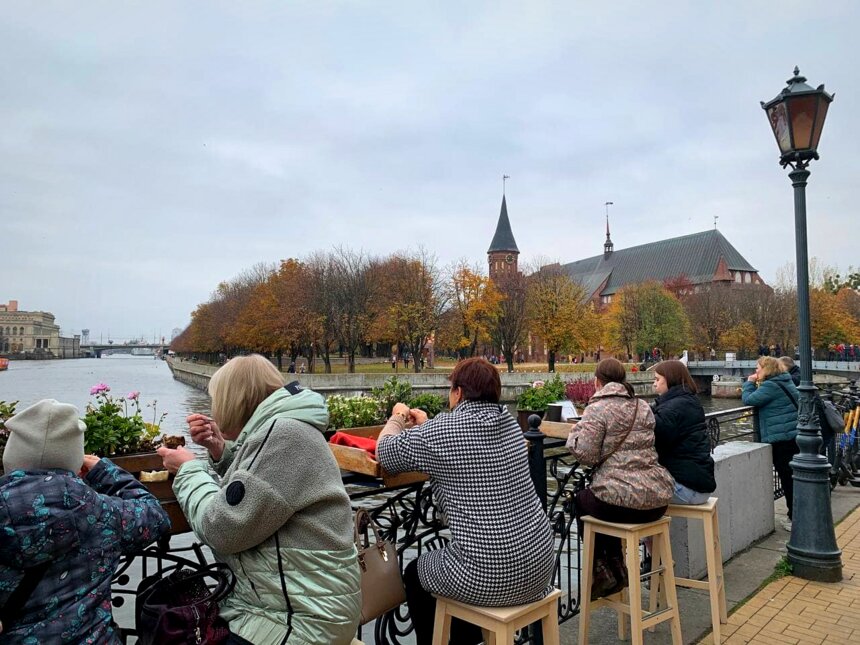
{"x": 704, "y": 371}
{"x": 106, "y": 348}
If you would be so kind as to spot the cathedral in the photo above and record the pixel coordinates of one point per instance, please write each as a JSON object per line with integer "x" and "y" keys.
{"x": 697, "y": 259}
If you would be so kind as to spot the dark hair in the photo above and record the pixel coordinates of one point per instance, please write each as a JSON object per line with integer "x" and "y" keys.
{"x": 610, "y": 370}
{"x": 676, "y": 373}
{"x": 478, "y": 379}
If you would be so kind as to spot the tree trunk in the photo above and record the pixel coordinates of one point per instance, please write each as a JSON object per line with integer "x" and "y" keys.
{"x": 280, "y": 355}
{"x": 351, "y": 362}
{"x": 509, "y": 359}
{"x": 551, "y": 360}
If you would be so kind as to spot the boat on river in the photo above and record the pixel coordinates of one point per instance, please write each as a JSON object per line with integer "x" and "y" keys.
{"x": 4, "y": 364}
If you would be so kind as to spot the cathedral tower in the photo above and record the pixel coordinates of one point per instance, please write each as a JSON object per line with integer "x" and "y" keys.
{"x": 503, "y": 252}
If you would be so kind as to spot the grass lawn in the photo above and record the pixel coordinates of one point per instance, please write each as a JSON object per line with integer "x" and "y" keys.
{"x": 443, "y": 366}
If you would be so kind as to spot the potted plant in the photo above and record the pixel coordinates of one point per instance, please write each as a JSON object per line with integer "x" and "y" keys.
{"x": 116, "y": 430}
{"x": 7, "y": 411}
{"x": 534, "y": 400}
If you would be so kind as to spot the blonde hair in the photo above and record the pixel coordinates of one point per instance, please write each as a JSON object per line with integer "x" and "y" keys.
{"x": 239, "y": 387}
{"x": 770, "y": 366}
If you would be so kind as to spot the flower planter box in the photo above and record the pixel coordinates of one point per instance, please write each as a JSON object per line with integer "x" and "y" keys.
{"x": 357, "y": 460}
{"x": 163, "y": 491}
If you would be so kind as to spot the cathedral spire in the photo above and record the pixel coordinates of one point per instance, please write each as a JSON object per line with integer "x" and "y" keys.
{"x": 503, "y": 240}
{"x": 607, "y": 245}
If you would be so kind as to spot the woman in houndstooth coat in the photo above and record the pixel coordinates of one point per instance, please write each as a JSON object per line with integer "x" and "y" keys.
{"x": 501, "y": 549}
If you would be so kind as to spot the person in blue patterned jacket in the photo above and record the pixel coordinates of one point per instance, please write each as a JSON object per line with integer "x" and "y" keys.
{"x": 69, "y": 517}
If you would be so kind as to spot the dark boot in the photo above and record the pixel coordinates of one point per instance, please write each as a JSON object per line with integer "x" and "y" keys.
{"x": 619, "y": 570}
{"x": 603, "y": 580}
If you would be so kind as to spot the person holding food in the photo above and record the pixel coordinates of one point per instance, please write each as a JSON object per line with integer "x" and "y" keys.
{"x": 67, "y": 519}
{"x": 279, "y": 516}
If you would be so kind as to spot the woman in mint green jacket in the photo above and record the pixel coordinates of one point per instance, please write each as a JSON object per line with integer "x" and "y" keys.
{"x": 279, "y": 517}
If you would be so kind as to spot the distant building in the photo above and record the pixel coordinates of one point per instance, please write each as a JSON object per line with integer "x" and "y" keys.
{"x": 695, "y": 260}
{"x": 33, "y": 334}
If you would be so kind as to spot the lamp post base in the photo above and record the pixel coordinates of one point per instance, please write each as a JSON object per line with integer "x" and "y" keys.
{"x": 812, "y": 549}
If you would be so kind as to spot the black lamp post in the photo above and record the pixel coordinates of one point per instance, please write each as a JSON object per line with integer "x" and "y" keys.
{"x": 796, "y": 116}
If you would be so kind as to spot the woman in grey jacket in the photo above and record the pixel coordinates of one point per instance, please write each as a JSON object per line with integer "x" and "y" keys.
{"x": 280, "y": 517}
{"x": 772, "y": 391}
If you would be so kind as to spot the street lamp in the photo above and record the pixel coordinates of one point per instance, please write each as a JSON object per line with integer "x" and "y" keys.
{"x": 796, "y": 116}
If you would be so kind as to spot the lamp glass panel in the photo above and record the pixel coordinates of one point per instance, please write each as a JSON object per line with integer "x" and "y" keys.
{"x": 802, "y": 111}
{"x": 823, "y": 104}
{"x": 779, "y": 124}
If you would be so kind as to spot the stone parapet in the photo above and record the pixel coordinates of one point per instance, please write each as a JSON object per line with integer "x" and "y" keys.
{"x": 744, "y": 474}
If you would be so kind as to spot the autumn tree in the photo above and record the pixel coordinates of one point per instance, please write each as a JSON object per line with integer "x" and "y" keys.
{"x": 560, "y": 313}
{"x": 412, "y": 297}
{"x": 509, "y": 327}
{"x": 473, "y": 300}
{"x": 353, "y": 291}
{"x": 742, "y": 337}
{"x": 710, "y": 314}
{"x": 323, "y": 306}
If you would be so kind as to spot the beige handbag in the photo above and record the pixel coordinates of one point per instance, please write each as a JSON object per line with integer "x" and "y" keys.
{"x": 381, "y": 584}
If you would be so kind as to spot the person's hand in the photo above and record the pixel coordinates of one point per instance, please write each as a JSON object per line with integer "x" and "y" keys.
{"x": 417, "y": 416}
{"x": 90, "y": 462}
{"x": 752, "y": 378}
{"x": 173, "y": 458}
{"x": 205, "y": 432}
{"x": 402, "y": 409}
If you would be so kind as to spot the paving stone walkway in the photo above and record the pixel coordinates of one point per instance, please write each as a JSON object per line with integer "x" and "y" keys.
{"x": 794, "y": 611}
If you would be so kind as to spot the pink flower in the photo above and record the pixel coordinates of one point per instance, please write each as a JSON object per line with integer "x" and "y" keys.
{"x": 537, "y": 384}
{"x": 133, "y": 396}
{"x": 99, "y": 388}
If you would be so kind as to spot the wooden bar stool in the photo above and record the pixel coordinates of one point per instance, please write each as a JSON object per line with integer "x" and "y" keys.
{"x": 499, "y": 624}
{"x": 629, "y": 601}
{"x": 714, "y": 583}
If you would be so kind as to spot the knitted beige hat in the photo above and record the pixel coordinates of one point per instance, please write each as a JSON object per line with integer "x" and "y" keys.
{"x": 47, "y": 435}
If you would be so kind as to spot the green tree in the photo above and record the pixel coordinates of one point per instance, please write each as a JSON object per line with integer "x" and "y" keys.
{"x": 648, "y": 315}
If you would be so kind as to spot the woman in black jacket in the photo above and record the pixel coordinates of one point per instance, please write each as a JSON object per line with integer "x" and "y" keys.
{"x": 682, "y": 443}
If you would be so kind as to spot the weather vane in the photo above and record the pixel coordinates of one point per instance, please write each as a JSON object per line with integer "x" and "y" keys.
{"x": 716, "y": 217}
{"x": 504, "y": 179}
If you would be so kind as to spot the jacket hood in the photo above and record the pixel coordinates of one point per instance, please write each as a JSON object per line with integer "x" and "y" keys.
{"x": 304, "y": 405}
{"x": 39, "y": 521}
{"x": 610, "y": 390}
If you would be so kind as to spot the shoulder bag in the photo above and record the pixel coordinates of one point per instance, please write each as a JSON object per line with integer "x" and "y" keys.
{"x": 180, "y": 608}
{"x": 381, "y": 583}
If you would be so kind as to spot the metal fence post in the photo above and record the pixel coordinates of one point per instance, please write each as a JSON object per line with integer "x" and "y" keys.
{"x": 756, "y": 427}
{"x": 537, "y": 471}
{"x": 537, "y": 464}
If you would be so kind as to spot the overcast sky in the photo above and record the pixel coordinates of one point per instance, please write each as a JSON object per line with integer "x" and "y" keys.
{"x": 150, "y": 150}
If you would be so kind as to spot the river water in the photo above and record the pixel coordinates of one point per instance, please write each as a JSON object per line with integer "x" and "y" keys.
{"x": 70, "y": 381}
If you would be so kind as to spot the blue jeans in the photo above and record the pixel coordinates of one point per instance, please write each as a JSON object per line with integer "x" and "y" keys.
{"x": 684, "y": 495}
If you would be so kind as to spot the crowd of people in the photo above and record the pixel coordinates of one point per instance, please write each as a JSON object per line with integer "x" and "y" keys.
{"x": 270, "y": 503}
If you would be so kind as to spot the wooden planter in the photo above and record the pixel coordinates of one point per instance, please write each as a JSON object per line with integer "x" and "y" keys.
{"x": 359, "y": 461}
{"x": 163, "y": 491}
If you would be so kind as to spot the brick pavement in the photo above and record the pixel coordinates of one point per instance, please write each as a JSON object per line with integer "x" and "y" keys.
{"x": 794, "y": 611}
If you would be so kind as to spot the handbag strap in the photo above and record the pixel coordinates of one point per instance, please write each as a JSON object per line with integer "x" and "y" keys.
{"x": 788, "y": 394}
{"x": 362, "y": 520}
{"x": 621, "y": 443}
{"x": 18, "y": 598}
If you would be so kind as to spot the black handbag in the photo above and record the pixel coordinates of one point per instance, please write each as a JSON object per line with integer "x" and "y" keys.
{"x": 179, "y": 607}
